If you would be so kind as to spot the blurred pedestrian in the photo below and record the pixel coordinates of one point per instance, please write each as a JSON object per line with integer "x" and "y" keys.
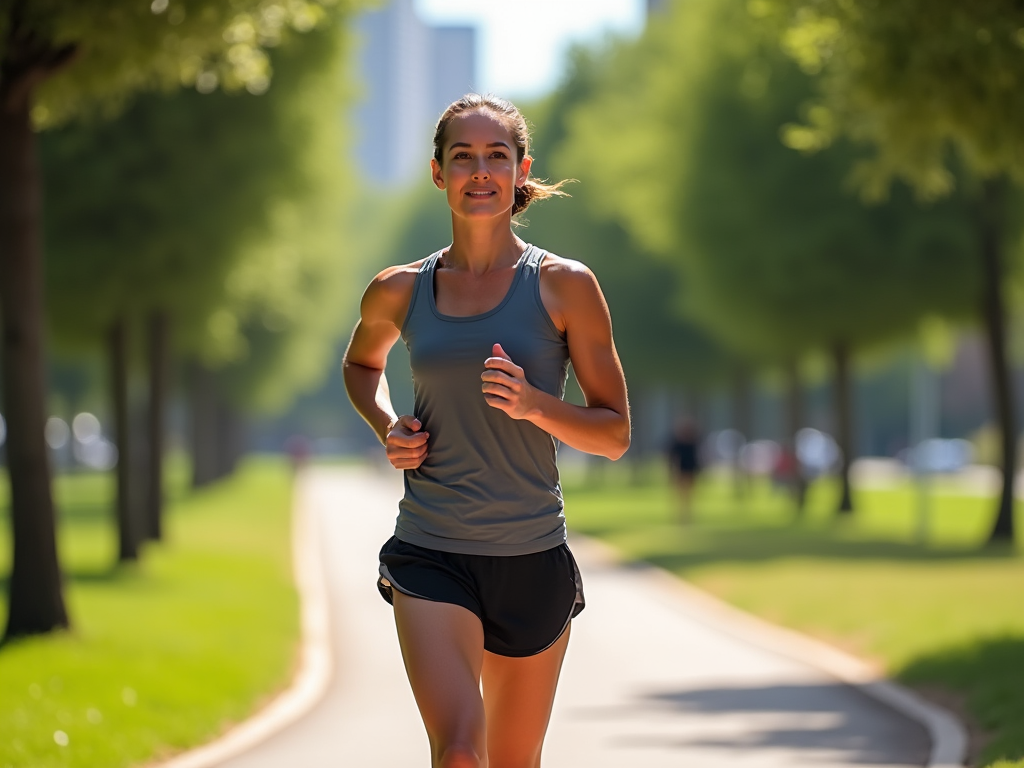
{"x": 483, "y": 585}
{"x": 788, "y": 475}
{"x": 683, "y": 452}
{"x": 299, "y": 450}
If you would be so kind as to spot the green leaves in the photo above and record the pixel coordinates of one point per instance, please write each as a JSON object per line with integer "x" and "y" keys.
{"x": 687, "y": 140}
{"x": 128, "y": 46}
{"x": 916, "y": 80}
{"x": 223, "y": 209}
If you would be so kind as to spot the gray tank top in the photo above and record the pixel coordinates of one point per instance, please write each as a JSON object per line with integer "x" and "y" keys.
{"x": 489, "y": 484}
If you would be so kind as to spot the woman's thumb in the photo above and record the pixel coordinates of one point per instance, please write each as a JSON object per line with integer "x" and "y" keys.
{"x": 498, "y": 351}
{"x": 410, "y": 422}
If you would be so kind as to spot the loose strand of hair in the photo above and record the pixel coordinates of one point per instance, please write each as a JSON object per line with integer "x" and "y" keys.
{"x": 538, "y": 189}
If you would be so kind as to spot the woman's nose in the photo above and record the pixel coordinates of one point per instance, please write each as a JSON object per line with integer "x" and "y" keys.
{"x": 480, "y": 171}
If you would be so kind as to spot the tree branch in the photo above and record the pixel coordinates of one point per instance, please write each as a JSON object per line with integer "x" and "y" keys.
{"x": 27, "y": 61}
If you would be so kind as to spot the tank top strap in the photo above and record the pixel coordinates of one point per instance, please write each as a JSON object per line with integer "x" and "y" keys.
{"x": 419, "y": 301}
{"x": 528, "y": 298}
{"x": 535, "y": 257}
{"x": 529, "y": 268}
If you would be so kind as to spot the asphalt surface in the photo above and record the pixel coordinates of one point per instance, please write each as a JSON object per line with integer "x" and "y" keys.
{"x": 647, "y": 680}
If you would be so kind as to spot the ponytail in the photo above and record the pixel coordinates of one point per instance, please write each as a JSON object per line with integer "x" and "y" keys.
{"x": 536, "y": 189}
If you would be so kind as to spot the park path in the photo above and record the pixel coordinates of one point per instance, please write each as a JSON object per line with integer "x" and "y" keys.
{"x": 646, "y": 681}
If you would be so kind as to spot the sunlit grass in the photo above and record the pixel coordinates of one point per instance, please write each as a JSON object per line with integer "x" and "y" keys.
{"x": 165, "y": 654}
{"x": 946, "y": 611}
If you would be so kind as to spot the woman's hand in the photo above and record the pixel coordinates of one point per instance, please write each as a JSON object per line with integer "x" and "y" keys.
{"x": 505, "y": 386}
{"x": 406, "y": 446}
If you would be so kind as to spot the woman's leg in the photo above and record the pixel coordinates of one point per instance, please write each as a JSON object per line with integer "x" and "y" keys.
{"x": 518, "y": 695}
{"x": 443, "y": 647}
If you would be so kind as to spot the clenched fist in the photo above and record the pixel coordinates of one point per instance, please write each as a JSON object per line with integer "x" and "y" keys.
{"x": 405, "y": 445}
{"x": 505, "y": 386}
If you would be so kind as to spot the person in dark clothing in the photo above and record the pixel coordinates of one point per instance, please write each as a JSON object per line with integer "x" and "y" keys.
{"x": 684, "y": 463}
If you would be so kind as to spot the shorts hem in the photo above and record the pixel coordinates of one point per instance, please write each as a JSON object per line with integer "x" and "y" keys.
{"x": 526, "y": 654}
{"x": 386, "y": 583}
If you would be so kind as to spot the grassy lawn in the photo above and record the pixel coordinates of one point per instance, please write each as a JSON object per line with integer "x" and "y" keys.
{"x": 165, "y": 654}
{"x": 946, "y": 615}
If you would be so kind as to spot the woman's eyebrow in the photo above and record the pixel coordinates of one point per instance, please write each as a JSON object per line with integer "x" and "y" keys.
{"x": 459, "y": 144}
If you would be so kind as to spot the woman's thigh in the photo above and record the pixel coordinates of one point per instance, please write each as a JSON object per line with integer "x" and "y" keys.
{"x": 443, "y": 648}
{"x": 518, "y": 696}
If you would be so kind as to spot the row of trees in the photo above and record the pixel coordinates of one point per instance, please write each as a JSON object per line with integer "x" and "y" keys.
{"x": 207, "y": 217}
{"x": 808, "y": 186}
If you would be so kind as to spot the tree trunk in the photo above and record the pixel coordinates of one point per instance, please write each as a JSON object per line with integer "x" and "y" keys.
{"x": 991, "y": 232}
{"x": 159, "y": 364}
{"x": 36, "y": 601}
{"x": 794, "y": 422}
{"x": 742, "y": 423}
{"x": 203, "y": 417}
{"x": 844, "y": 422}
{"x": 128, "y": 526}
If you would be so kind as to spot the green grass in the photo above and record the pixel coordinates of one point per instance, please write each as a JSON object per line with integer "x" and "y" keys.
{"x": 947, "y": 613}
{"x": 165, "y": 654}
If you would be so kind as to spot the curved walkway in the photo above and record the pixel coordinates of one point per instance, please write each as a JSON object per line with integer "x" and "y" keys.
{"x": 655, "y": 675}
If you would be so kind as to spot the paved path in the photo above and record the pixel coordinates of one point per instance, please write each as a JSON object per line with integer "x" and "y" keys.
{"x": 644, "y": 683}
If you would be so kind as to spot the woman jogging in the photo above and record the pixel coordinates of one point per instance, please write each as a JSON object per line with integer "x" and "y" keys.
{"x": 478, "y": 571}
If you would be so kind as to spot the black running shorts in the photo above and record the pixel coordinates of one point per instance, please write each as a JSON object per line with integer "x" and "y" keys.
{"x": 524, "y": 602}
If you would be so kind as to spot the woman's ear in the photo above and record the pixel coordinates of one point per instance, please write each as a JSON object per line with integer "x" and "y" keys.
{"x": 435, "y": 173}
{"x": 524, "y": 170}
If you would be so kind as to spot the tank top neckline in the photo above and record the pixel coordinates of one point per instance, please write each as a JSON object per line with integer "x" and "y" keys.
{"x": 470, "y": 318}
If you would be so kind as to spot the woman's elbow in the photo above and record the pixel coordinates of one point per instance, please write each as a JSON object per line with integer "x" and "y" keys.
{"x": 620, "y": 446}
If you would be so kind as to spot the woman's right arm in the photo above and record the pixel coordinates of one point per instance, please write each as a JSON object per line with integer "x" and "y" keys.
{"x": 381, "y": 312}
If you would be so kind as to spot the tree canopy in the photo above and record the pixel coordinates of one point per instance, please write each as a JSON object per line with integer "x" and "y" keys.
{"x": 223, "y": 209}
{"x": 779, "y": 254}
{"x": 914, "y": 79}
{"x": 121, "y": 47}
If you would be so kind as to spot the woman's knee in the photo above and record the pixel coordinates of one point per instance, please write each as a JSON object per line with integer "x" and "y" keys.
{"x": 460, "y": 755}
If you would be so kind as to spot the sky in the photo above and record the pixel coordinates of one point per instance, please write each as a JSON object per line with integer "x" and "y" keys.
{"x": 522, "y": 43}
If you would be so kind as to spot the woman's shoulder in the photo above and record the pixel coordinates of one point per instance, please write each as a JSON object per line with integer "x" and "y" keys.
{"x": 390, "y": 291}
{"x": 569, "y": 290}
{"x": 561, "y": 273}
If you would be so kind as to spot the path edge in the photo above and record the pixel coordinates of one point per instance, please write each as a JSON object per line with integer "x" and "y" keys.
{"x": 316, "y": 663}
{"x": 947, "y": 734}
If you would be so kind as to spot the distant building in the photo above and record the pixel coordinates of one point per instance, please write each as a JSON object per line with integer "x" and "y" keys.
{"x": 409, "y": 73}
{"x": 453, "y": 63}
{"x": 655, "y": 6}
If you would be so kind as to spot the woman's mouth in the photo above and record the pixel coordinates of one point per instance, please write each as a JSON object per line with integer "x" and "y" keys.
{"x": 483, "y": 193}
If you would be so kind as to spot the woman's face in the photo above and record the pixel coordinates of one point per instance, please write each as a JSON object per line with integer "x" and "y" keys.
{"x": 478, "y": 169}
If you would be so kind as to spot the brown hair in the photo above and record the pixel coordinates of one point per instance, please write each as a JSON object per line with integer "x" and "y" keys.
{"x": 533, "y": 189}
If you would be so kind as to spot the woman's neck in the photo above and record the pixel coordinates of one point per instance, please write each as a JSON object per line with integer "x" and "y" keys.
{"x": 482, "y": 246}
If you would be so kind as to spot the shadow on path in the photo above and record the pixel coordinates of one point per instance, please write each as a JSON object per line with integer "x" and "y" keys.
{"x": 801, "y": 719}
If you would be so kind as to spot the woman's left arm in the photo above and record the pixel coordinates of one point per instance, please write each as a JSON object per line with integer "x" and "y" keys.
{"x": 574, "y": 300}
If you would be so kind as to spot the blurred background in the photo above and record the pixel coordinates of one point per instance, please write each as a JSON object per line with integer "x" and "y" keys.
{"x": 810, "y": 245}
{"x": 225, "y": 238}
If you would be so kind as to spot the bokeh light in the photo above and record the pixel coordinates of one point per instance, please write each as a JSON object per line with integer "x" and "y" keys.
{"x": 57, "y": 433}
{"x": 86, "y": 427}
